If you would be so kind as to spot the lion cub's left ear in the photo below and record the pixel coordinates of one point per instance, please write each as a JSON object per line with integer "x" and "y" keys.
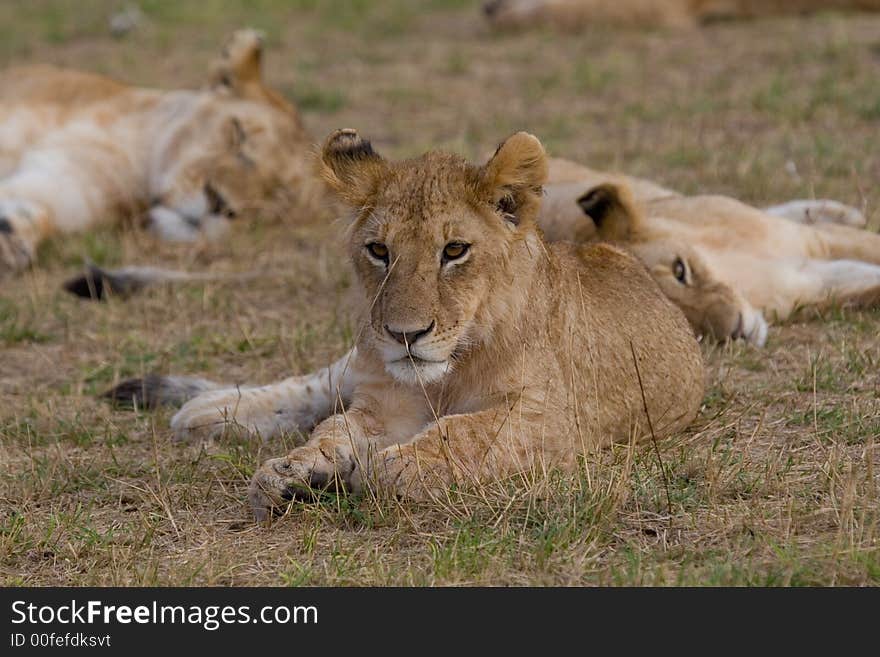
{"x": 350, "y": 167}
{"x": 515, "y": 175}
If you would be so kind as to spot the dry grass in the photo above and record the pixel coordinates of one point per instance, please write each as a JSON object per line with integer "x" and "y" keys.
{"x": 776, "y": 483}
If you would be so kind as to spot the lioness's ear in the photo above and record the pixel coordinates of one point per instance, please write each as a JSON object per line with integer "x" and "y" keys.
{"x": 239, "y": 68}
{"x": 613, "y": 210}
{"x": 351, "y": 167}
{"x": 239, "y": 72}
{"x": 515, "y": 175}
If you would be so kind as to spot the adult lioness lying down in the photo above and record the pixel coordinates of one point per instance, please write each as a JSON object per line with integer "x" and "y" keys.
{"x": 572, "y": 14}
{"x": 77, "y": 149}
{"x": 724, "y": 263}
{"x": 484, "y": 352}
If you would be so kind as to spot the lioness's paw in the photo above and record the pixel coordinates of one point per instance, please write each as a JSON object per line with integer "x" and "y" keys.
{"x": 833, "y": 212}
{"x": 15, "y": 253}
{"x": 298, "y": 475}
{"x": 212, "y": 413}
{"x": 754, "y": 328}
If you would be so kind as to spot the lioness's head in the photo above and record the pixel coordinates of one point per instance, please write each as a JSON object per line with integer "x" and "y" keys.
{"x": 435, "y": 242}
{"x": 684, "y": 274}
{"x": 239, "y": 149}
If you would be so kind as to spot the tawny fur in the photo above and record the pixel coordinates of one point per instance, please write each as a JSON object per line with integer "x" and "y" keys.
{"x": 740, "y": 260}
{"x": 575, "y": 14}
{"x": 78, "y": 149}
{"x": 686, "y": 270}
{"x": 514, "y": 355}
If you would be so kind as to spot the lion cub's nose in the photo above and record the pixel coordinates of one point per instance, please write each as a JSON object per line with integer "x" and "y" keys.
{"x": 408, "y": 337}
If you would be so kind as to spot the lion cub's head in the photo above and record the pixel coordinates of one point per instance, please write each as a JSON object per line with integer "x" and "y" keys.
{"x": 712, "y": 307}
{"x": 438, "y": 245}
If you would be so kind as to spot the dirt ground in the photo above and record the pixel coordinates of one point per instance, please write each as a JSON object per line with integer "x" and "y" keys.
{"x": 775, "y": 484}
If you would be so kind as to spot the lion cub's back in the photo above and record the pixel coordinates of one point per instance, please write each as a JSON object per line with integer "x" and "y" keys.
{"x": 622, "y": 306}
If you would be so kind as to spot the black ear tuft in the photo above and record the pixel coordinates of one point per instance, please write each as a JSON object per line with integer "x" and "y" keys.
{"x": 350, "y": 166}
{"x": 348, "y": 144}
{"x": 597, "y": 204}
{"x": 136, "y": 393}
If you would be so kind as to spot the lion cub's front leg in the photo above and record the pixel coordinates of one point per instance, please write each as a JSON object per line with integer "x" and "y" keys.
{"x": 465, "y": 450}
{"x": 341, "y": 447}
{"x": 327, "y": 461}
{"x": 351, "y": 452}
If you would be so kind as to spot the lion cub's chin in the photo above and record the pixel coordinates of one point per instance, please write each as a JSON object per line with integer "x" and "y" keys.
{"x": 417, "y": 371}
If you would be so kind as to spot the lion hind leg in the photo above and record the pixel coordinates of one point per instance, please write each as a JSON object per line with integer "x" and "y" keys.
{"x": 844, "y": 282}
{"x": 818, "y": 211}
{"x": 846, "y": 243}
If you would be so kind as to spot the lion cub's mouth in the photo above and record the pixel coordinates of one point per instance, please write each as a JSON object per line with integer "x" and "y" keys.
{"x": 414, "y": 370}
{"x": 415, "y": 360}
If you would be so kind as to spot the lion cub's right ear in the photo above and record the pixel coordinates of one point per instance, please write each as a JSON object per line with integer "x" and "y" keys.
{"x": 514, "y": 177}
{"x": 613, "y": 210}
{"x": 351, "y": 167}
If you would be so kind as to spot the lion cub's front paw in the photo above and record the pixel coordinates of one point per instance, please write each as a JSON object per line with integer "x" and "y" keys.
{"x": 298, "y": 475}
{"x": 397, "y": 472}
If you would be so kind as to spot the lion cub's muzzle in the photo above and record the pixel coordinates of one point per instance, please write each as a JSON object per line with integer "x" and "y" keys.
{"x": 414, "y": 354}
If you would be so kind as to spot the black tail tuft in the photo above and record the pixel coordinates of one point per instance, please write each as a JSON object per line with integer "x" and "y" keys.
{"x": 154, "y": 391}
{"x": 89, "y": 285}
{"x": 138, "y": 393}
{"x": 97, "y": 284}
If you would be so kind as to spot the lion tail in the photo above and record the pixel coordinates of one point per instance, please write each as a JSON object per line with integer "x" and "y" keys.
{"x": 97, "y": 283}
{"x": 153, "y": 391}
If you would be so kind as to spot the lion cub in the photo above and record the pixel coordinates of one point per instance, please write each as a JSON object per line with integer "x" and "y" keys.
{"x": 484, "y": 350}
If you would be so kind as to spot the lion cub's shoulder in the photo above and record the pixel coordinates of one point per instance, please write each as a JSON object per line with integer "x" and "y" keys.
{"x": 606, "y": 257}
{"x": 606, "y": 270}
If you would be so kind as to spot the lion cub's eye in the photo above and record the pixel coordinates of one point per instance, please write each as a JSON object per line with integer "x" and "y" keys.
{"x": 379, "y": 251}
{"x": 679, "y": 270}
{"x": 454, "y": 251}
